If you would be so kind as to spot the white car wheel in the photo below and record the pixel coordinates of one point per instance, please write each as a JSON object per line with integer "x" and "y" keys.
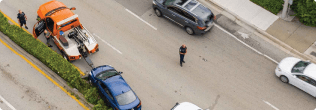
{"x": 284, "y": 79}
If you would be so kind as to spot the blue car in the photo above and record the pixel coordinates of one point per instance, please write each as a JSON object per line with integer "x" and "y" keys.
{"x": 114, "y": 89}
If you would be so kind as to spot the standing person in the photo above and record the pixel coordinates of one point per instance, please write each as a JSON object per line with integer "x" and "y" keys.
{"x": 22, "y": 19}
{"x": 182, "y": 52}
{"x": 48, "y": 37}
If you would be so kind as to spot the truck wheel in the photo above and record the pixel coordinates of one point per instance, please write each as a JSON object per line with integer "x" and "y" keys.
{"x": 97, "y": 50}
{"x": 65, "y": 57}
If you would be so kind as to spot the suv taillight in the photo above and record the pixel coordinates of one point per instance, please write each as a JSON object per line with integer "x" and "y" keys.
{"x": 201, "y": 28}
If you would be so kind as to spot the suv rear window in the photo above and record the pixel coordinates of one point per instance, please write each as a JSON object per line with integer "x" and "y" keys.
{"x": 201, "y": 10}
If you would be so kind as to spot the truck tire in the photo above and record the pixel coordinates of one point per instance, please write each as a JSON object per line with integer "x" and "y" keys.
{"x": 65, "y": 56}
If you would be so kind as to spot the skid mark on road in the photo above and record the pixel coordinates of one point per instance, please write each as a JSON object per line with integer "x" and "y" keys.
{"x": 29, "y": 91}
{"x": 216, "y": 101}
{"x": 7, "y": 103}
{"x": 141, "y": 19}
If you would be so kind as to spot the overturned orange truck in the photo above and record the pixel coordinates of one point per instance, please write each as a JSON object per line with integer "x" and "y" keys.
{"x": 70, "y": 36}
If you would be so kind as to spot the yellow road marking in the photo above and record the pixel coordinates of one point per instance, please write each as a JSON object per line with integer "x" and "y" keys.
{"x": 79, "y": 70}
{"x": 39, "y": 70}
{"x": 14, "y": 22}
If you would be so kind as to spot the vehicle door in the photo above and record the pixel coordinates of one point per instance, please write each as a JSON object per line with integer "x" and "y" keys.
{"x": 175, "y": 15}
{"x": 300, "y": 81}
{"x": 311, "y": 86}
{"x": 39, "y": 28}
{"x": 189, "y": 20}
{"x": 106, "y": 93}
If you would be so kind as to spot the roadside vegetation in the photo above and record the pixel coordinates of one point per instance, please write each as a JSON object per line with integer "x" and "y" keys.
{"x": 53, "y": 60}
{"x": 274, "y": 6}
{"x": 305, "y": 9}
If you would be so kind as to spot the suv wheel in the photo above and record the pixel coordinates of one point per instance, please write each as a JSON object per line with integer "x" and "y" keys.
{"x": 284, "y": 79}
{"x": 158, "y": 12}
{"x": 189, "y": 30}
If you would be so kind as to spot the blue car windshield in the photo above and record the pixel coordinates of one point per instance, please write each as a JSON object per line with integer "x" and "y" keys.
{"x": 126, "y": 98}
{"x": 106, "y": 74}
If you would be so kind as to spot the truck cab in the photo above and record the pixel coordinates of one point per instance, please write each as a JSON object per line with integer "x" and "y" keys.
{"x": 70, "y": 36}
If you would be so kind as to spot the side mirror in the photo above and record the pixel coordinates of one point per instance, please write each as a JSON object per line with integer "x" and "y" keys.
{"x": 73, "y": 8}
{"x": 120, "y": 72}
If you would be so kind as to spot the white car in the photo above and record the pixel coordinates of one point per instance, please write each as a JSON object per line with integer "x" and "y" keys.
{"x": 301, "y": 74}
{"x": 186, "y": 106}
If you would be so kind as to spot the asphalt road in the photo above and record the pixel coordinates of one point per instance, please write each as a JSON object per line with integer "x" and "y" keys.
{"x": 220, "y": 73}
{"x": 24, "y": 88}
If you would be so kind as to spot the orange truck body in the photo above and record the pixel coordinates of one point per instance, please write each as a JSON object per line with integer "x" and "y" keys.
{"x": 54, "y": 12}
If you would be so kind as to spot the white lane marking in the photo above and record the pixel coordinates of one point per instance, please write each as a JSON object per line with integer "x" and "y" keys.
{"x": 141, "y": 19}
{"x": 270, "y": 105}
{"x": 108, "y": 44}
{"x": 0, "y": 2}
{"x": 0, "y": 108}
{"x": 7, "y": 103}
{"x": 245, "y": 44}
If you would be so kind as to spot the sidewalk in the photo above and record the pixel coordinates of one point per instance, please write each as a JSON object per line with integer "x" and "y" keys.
{"x": 292, "y": 36}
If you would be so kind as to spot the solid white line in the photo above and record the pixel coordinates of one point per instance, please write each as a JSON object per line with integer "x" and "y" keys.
{"x": 245, "y": 43}
{"x": 271, "y": 59}
{"x": 270, "y": 105}
{"x": 0, "y": 2}
{"x": 141, "y": 19}
{"x": 1, "y": 98}
{"x": 108, "y": 44}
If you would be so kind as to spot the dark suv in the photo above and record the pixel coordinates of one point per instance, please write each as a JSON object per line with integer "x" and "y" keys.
{"x": 190, "y": 14}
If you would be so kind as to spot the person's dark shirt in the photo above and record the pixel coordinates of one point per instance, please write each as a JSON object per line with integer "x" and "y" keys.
{"x": 183, "y": 50}
{"x": 21, "y": 16}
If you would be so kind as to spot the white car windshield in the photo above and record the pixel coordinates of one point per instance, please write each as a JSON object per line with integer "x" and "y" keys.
{"x": 300, "y": 67}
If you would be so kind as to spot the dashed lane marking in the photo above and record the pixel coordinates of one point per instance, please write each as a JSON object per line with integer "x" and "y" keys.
{"x": 108, "y": 44}
{"x": 141, "y": 19}
{"x": 7, "y": 103}
{"x": 270, "y": 105}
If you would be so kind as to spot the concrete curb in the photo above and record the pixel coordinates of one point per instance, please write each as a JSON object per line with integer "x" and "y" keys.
{"x": 43, "y": 67}
{"x": 261, "y": 33}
